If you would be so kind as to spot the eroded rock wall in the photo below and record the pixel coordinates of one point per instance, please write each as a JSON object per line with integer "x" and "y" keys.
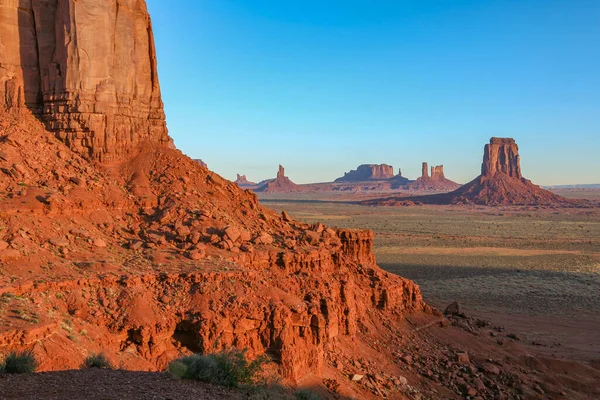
{"x": 87, "y": 68}
{"x": 501, "y": 155}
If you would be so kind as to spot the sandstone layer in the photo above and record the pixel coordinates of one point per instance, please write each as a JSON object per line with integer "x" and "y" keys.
{"x": 87, "y": 68}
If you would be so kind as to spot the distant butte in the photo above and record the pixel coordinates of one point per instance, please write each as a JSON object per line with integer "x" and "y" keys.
{"x": 501, "y": 183}
{"x": 242, "y": 182}
{"x": 281, "y": 184}
{"x": 437, "y": 181}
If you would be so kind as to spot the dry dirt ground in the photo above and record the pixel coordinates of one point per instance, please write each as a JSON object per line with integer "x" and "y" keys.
{"x": 534, "y": 272}
{"x": 96, "y": 384}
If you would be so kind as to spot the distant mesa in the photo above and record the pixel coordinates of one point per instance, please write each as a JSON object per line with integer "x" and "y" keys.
{"x": 437, "y": 181}
{"x": 281, "y": 184}
{"x": 241, "y": 181}
{"x": 368, "y": 172}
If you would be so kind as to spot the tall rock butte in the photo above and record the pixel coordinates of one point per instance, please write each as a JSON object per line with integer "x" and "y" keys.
{"x": 501, "y": 155}
{"x": 502, "y": 183}
{"x": 87, "y": 68}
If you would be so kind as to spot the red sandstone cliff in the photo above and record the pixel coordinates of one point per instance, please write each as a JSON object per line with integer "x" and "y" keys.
{"x": 88, "y": 68}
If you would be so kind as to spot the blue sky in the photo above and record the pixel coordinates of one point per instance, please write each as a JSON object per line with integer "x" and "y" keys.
{"x": 322, "y": 86}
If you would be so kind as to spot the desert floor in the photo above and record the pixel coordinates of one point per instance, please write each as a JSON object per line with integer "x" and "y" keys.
{"x": 535, "y": 272}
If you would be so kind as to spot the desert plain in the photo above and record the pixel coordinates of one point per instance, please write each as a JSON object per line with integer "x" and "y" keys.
{"x": 532, "y": 272}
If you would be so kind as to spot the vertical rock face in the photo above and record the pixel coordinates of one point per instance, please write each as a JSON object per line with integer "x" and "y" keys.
{"x": 425, "y": 170}
{"x": 281, "y": 172}
{"x": 437, "y": 172}
{"x": 501, "y": 155}
{"x": 88, "y": 68}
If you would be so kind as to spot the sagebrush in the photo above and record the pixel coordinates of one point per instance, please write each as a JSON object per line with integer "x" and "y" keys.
{"x": 19, "y": 363}
{"x": 230, "y": 368}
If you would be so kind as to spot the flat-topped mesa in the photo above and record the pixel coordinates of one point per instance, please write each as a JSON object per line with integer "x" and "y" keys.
{"x": 501, "y": 155}
{"x": 88, "y": 69}
{"x": 368, "y": 172}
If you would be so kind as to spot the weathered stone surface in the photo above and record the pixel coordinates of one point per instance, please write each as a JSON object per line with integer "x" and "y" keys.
{"x": 88, "y": 68}
{"x": 368, "y": 172}
{"x": 501, "y": 155}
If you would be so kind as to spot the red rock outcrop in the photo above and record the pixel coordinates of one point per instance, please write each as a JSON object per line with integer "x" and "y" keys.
{"x": 202, "y": 267}
{"x": 501, "y": 155}
{"x": 87, "y": 68}
{"x": 367, "y": 172}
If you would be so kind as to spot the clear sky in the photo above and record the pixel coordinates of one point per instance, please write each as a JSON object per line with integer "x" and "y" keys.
{"x": 322, "y": 86}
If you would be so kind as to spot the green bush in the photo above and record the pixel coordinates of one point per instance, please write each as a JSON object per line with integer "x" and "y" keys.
{"x": 228, "y": 368}
{"x": 19, "y": 363}
{"x": 97, "y": 361}
{"x": 306, "y": 394}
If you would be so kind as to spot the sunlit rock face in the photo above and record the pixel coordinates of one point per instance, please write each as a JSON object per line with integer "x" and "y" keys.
{"x": 87, "y": 68}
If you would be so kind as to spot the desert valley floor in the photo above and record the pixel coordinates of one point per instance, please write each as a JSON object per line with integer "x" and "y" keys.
{"x": 534, "y": 272}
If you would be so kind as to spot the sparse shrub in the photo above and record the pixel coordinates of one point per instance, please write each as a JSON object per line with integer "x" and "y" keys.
{"x": 306, "y": 394}
{"x": 97, "y": 361}
{"x": 228, "y": 368}
{"x": 19, "y": 363}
